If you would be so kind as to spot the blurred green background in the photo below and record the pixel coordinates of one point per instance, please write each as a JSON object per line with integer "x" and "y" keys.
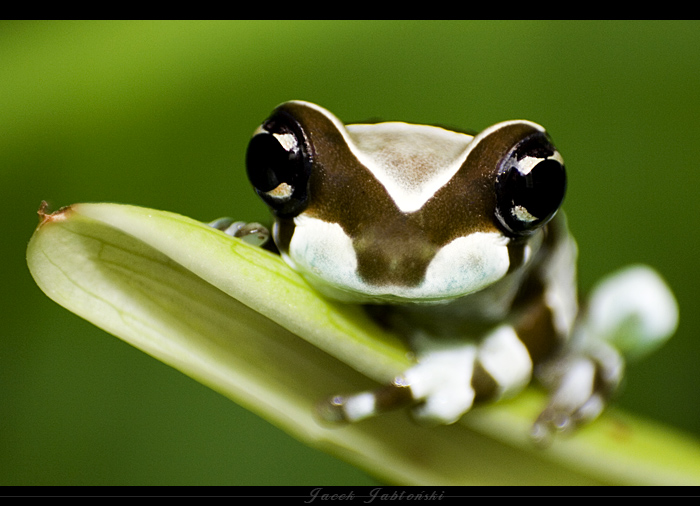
{"x": 159, "y": 114}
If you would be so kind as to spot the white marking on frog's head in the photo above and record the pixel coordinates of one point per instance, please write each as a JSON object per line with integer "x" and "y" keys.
{"x": 411, "y": 161}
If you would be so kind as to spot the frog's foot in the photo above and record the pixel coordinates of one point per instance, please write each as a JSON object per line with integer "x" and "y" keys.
{"x": 439, "y": 388}
{"x": 629, "y": 314}
{"x": 341, "y": 409}
{"x": 445, "y": 382}
{"x": 581, "y": 387}
{"x": 252, "y": 233}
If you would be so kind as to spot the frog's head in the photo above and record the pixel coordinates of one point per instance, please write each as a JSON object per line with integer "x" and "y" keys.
{"x": 397, "y": 212}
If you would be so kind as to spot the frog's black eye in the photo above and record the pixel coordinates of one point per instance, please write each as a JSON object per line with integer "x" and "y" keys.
{"x": 278, "y": 164}
{"x": 530, "y": 186}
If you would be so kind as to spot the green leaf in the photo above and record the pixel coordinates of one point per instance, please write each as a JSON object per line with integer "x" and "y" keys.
{"x": 237, "y": 319}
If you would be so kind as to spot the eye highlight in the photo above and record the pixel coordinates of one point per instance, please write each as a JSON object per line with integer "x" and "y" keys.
{"x": 530, "y": 186}
{"x": 278, "y": 165}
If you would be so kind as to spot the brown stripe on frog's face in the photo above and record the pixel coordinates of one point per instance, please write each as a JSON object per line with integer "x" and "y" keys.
{"x": 389, "y": 211}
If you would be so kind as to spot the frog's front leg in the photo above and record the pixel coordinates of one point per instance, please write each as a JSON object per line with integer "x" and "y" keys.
{"x": 629, "y": 314}
{"x": 580, "y": 384}
{"x": 447, "y": 379}
{"x": 252, "y": 233}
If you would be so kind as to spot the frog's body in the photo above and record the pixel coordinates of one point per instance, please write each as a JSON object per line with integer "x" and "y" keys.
{"x": 454, "y": 242}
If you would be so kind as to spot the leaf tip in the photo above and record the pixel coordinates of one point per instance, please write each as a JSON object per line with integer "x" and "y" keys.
{"x": 47, "y": 217}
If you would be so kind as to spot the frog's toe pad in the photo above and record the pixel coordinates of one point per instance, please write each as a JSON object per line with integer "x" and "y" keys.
{"x": 561, "y": 420}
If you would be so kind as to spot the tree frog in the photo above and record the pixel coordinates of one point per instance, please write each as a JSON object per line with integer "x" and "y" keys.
{"x": 454, "y": 241}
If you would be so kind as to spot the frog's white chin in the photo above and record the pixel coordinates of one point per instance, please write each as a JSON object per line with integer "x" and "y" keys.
{"x": 323, "y": 254}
